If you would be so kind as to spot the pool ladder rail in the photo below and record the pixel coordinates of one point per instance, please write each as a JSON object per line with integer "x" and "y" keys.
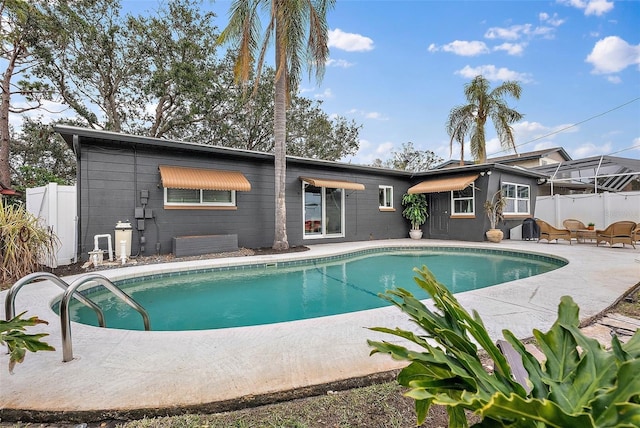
{"x": 71, "y": 290}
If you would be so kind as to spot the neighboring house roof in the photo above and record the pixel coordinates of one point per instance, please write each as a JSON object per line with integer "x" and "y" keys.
{"x": 513, "y": 158}
{"x": 537, "y": 154}
{"x": 451, "y": 163}
{"x": 114, "y": 138}
{"x": 612, "y": 173}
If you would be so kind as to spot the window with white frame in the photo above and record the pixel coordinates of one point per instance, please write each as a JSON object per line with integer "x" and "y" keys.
{"x": 462, "y": 201}
{"x": 201, "y": 197}
{"x": 385, "y": 197}
{"x": 517, "y": 198}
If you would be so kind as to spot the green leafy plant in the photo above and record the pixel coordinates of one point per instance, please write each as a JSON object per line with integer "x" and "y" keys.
{"x": 24, "y": 243}
{"x": 415, "y": 209}
{"x": 580, "y": 385}
{"x": 12, "y": 334}
{"x": 494, "y": 208}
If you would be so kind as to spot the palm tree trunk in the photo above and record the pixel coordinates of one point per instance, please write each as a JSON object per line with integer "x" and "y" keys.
{"x": 5, "y": 171}
{"x": 280, "y": 241}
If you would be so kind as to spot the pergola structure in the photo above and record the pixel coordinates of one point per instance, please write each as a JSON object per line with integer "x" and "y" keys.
{"x": 602, "y": 173}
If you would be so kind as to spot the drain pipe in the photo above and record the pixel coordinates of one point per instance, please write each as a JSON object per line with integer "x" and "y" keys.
{"x": 123, "y": 251}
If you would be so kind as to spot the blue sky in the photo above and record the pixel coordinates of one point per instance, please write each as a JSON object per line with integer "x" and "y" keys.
{"x": 398, "y": 67}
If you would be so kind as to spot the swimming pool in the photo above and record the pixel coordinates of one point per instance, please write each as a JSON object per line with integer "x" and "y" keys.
{"x": 270, "y": 293}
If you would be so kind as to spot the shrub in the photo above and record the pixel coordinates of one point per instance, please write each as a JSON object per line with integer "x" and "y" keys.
{"x": 24, "y": 243}
{"x": 580, "y": 385}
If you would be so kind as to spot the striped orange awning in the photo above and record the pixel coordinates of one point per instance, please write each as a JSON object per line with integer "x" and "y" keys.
{"x": 333, "y": 184}
{"x": 179, "y": 177}
{"x": 446, "y": 184}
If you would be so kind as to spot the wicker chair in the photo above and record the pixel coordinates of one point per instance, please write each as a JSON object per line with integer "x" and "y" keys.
{"x": 550, "y": 233}
{"x": 620, "y": 232}
{"x": 574, "y": 225}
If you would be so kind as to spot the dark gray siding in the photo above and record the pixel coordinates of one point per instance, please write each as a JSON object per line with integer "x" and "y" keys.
{"x": 473, "y": 229}
{"x": 114, "y": 169}
{"x": 502, "y": 177}
{"x": 111, "y": 180}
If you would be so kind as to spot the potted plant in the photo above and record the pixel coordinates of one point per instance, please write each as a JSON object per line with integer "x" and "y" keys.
{"x": 494, "y": 208}
{"x": 415, "y": 211}
{"x": 591, "y": 226}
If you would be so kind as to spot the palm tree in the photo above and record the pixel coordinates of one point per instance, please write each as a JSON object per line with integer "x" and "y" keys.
{"x": 292, "y": 21}
{"x": 482, "y": 104}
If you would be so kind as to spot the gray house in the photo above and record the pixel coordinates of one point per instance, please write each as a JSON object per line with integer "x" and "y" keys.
{"x": 170, "y": 191}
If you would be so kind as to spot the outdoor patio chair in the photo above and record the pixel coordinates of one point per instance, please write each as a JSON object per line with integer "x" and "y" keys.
{"x": 550, "y": 233}
{"x": 620, "y": 232}
{"x": 574, "y": 225}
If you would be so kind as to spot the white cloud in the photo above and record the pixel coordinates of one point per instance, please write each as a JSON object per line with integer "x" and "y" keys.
{"x": 339, "y": 63}
{"x": 551, "y": 20}
{"x": 368, "y": 152}
{"x": 325, "y": 94}
{"x": 590, "y": 7}
{"x": 541, "y": 146}
{"x": 512, "y": 33}
{"x": 368, "y": 114}
{"x": 612, "y": 54}
{"x": 494, "y": 148}
{"x": 491, "y": 72}
{"x": 462, "y": 48}
{"x": 590, "y": 149}
{"x": 49, "y": 112}
{"x": 305, "y": 90}
{"x": 375, "y": 115}
{"x": 515, "y": 49}
{"x": 525, "y": 131}
{"x": 614, "y": 79}
{"x": 349, "y": 42}
{"x": 517, "y": 32}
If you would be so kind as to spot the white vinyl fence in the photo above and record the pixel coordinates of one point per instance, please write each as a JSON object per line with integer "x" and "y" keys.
{"x": 55, "y": 206}
{"x": 601, "y": 208}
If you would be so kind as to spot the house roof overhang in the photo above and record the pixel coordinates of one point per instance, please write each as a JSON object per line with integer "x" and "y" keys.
{"x": 109, "y": 138}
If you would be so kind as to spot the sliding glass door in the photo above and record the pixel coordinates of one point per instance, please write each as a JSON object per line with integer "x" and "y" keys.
{"x": 323, "y": 211}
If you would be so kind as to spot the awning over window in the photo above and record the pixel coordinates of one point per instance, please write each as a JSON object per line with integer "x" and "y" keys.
{"x": 446, "y": 184}
{"x": 333, "y": 184}
{"x": 178, "y": 177}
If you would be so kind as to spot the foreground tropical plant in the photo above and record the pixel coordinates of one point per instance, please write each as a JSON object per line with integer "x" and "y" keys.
{"x": 24, "y": 243}
{"x": 12, "y": 334}
{"x": 580, "y": 385}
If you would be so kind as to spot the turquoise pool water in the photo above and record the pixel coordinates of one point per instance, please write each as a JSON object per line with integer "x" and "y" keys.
{"x": 265, "y": 294}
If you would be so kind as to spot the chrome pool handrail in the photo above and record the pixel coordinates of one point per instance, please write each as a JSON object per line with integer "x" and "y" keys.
{"x": 10, "y": 300}
{"x": 65, "y": 321}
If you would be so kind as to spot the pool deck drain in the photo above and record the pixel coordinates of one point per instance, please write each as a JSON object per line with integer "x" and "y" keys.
{"x": 117, "y": 373}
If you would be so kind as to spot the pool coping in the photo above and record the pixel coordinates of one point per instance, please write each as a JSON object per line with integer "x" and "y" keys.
{"x": 212, "y": 369}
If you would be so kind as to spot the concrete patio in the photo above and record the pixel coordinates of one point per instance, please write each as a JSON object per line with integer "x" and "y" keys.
{"x": 117, "y": 373}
